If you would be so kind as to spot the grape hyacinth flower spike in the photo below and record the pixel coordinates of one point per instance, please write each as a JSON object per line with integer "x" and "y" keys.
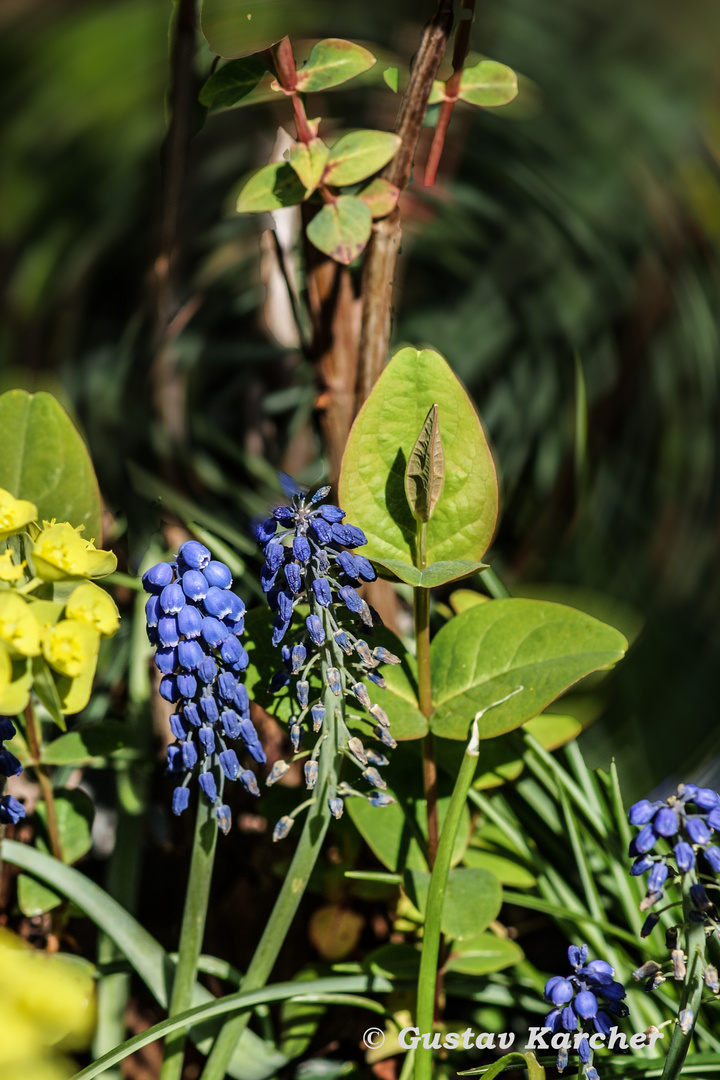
{"x": 311, "y": 560}
{"x": 682, "y": 827}
{"x": 585, "y": 1002}
{"x": 195, "y": 622}
{"x": 11, "y": 809}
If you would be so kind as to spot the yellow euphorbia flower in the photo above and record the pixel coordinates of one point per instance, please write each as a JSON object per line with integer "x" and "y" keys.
{"x": 61, "y": 552}
{"x": 70, "y": 646}
{"x": 19, "y": 628}
{"x": 10, "y": 571}
{"x": 47, "y": 1002}
{"x": 15, "y": 513}
{"x": 93, "y": 605}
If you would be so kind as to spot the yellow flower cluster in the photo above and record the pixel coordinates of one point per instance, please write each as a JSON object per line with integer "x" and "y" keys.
{"x": 60, "y": 552}
{"x": 47, "y": 1003}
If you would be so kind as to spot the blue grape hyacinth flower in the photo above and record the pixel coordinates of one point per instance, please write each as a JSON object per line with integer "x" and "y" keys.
{"x": 11, "y": 809}
{"x": 675, "y": 838}
{"x": 195, "y": 623}
{"x": 584, "y": 1003}
{"x": 311, "y": 560}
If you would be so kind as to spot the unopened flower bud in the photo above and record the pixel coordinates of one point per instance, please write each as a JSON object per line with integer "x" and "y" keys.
{"x": 363, "y": 650}
{"x": 710, "y": 975}
{"x": 678, "y": 961}
{"x": 336, "y": 807}
{"x": 385, "y": 656}
{"x": 655, "y": 982}
{"x": 357, "y": 749}
{"x": 373, "y": 777}
{"x": 685, "y": 1020}
{"x": 311, "y": 774}
{"x": 360, "y": 692}
{"x": 277, "y": 772}
{"x": 283, "y": 827}
{"x": 333, "y": 681}
{"x": 647, "y": 970}
{"x": 380, "y": 715}
{"x": 318, "y": 715}
{"x": 649, "y": 925}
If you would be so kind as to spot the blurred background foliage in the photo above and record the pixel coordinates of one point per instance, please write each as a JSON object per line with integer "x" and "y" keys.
{"x": 565, "y": 264}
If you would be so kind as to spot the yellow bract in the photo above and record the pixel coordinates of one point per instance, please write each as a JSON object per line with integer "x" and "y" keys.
{"x": 71, "y": 646}
{"x": 93, "y": 605}
{"x": 61, "y": 552}
{"x": 10, "y": 571}
{"x": 46, "y": 1002}
{"x": 19, "y": 628}
{"x": 14, "y": 513}
{"x": 5, "y": 669}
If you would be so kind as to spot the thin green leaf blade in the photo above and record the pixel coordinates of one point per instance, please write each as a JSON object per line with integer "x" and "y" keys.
{"x": 359, "y": 154}
{"x": 492, "y": 649}
{"x": 372, "y": 481}
{"x": 488, "y": 84}
{"x": 271, "y": 188}
{"x": 332, "y": 62}
{"x": 425, "y": 471}
{"x": 341, "y": 229}
{"x": 508, "y": 1061}
{"x": 45, "y": 460}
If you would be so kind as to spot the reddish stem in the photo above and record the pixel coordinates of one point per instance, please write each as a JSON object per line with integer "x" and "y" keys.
{"x": 452, "y": 89}
{"x": 287, "y": 77}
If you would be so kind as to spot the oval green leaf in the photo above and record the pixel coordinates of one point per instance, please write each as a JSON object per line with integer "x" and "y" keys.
{"x": 507, "y": 871}
{"x": 492, "y": 649}
{"x": 45, "y": 460}
{"x": 472, "y": 899}
{"x": 232, "y": 82}
{"x": 357, "y": 155}
{"x": 86, "y": 743}
{"x": 75, "y": 813}
{"x": 341, "y": 229}
{"x": 381, "y": 196}
{"x": 488, "y": 84}
{"x": 484, "y": 954}
{"x": 372, "y": 481}
{"x": 397, "y": 834}
{"x": 309, "y": 161}
{"x": 271, "y": 188}
{"x": 35, "y": 899}
{"x": 332, "y": 61}
{"x": 439, "y": 573}
{"x": 241, "y": 27}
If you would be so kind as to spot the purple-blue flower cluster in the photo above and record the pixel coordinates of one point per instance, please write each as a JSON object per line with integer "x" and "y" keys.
{"x": 585, "y": 1002}
{"x": 196, "y": 621}
{"x": 685, "y": 822}
{"x": 11, "y": 809}
{"x": 311, "y": 560}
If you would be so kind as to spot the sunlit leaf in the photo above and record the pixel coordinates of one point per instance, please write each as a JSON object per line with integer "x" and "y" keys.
{"x": 309, "y": 161}
{"x": 488, "y": 84}
{"x": 359, "y": 154}
{"x": 482, "y": 954}
{"x": 425, "y": 470}
{"x": 74, "y": 813}
{"x": 471, "y": 900}
{"x": 438, "y": 573}
{"x": 341, "y": 229}
{"x": 391, "y": 76}
{"x": 332, "y": 61}
{"x": 381, "y": 196}
{"x": 270, "y": 188}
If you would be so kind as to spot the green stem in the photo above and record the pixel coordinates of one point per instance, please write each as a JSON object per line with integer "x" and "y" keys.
{"x": 34, "y": 738}
{"x": 191, "y": 934}
{"x": 693, "y": 987}
{"x": 293, "y": 889}
{"x": 421, "y": 611}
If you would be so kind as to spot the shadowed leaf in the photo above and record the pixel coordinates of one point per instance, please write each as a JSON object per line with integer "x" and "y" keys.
{"x": 232, "y": 82}
{"x": 425, "y": 472}
{"x": 270, "y": 188}
{"x": 341, "y": 229}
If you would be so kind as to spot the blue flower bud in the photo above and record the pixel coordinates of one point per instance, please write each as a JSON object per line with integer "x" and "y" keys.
{"x": 265, "y": 531}
{"x": 707, "y": 799}
{"x": 322, "y": 531}
{"x": 194, "y": 554}
{"x": 190, "y": 655}
{"x": 248, "y": 733}
{"x": 333, "y": 681}
{"x": 343, "y": 641}
{"x": 180, "y": 800}
{"x": 191, "y": 714}
{"x": 207, "y": 670}
{"x": 267, "y": 578}
{"x": 227, "y": 685}
{"x": 360, "y": 692}
{"x": 318, "y": 715}
{"x": 299, "y": 654}
{"x": 7, "y": 728}
{"x": 9, "y": 764}
{"x": 230, "y": 723}
{"x": 285, "y": 514}
{"x": 293, "y": 577}
{"x": 207, "y": 738}
{"x": 323, "y": 592}
{"x": 350, "y": 598}
{"x": 666, "y": 822}
{"x": 295, "y": 737}
{"x": 700, "y": 898}
{"x": 194, "y": 584}
{"x": 320, "y": 494}
{"x": 713, "y": 819}
{"x": 380, "y": 715}
{"x": 697, "y": 830}
{"x": 218, "y": 574}
{"x": 363, "y": 650}
{"x": 209, "y": 709}
{"x": 348, "y": 565}
{"x": 301, "y": 549}
{"x": 152, "y": 610}
{"x": 190, "y": 622}
{"x": 331, "y": 513}
{"x": 685, "y": 1020}
{"x": 642, "y": 812}
{"x": 645, "y": 840}
{"x": 224, "y": 818}
{"x": 230, "y": 764}
{"x": 232, "y": 652}
{"x": 280, "y": 627}
{"x": 649, "y": 925}
{"x": 602, "y": 1023}
{"x": 152, "y": 636}
{"x": 684, "y": 856}
{"x": 641, "y": 865}
{"x": 366, "y": 568}
{"x": 315, "y": 629}
{"x": 217, "y": 602}
{"x": 168, "y": 630}
{"x": 599, "y": 971}
{"x": 166, "y": 660}
{"x": 349, "y": 535}
{"x": 657, "y": 877}
{"x": 214, "y": 632}
{"x": 179, "y": 726}
{"x": 376, "y": 759}
{"x": 592, "y": 1073}
{"x": 385, "y": 737}
{"x": 274, "y": 556}
{"x": 157, "y": 577}
{"x": 189, "y": 754}
{"x": 168, "y": 688}
{"x": 562, "y": 1060}
{"x": 377, "y": 679}
{"x": 558, "y": 990}
{"x": 249, "y": 781}
{"x": 687, "y": 792}
{"x": 373, "y": 777}
{"x": 586, "y": 1004}
{"x": 241, "y": 701}
{"x": 187, "y": 685}
{"x": 336, "y": 807}
{"x": 283, "y": 827}
{"x": 206, "y": 781}
{"x": 568, "y": 1019}
{"x": 172, "y": 599}
{"x": 285, "y": 605}
{"x": 712, "y": 854}
{"x": 380, "y": 798}
{"x": 311, "y": 774}
{"x": 302, "y": 689}
{"x": 173, "y": 756}
{"x": 583, "y": 1048}
{"x": 357, "y": 749}
{"x": 11, "y": 810}
{"x": 257, "y": 753}
{"x": 277, "y": 772}
{"x": 553, "y": 1020}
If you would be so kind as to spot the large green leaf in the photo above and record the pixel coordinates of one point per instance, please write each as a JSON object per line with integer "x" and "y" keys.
{"x": 232, "y": 82}
{"x": 240, "y": 27}
{"x": 492, "y": 649}
{"x": 438, "y": 573}
{"x": 359, "y": 154}
{"x": 341, "y": 229}
{"x": 332, "y": 62}
{"x": 44, "y": 460}
{"x": 472, "y": 899}
{"x": 270, "y": 188}
{"x": 372, "y": 482}
{"x": 86, "y": 743}
{"x": 488, "y": 84}
{"x": 74, "y": 812}
{"x": 483, "y": 954}
{"x": 253, "y": 1060}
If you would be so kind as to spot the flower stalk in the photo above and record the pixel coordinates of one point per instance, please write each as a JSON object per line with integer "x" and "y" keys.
{"x": 692, "y": 988}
